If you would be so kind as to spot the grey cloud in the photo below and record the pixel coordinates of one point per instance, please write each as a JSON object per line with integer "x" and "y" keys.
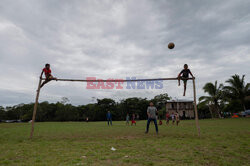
{"x": 115, "y": 39}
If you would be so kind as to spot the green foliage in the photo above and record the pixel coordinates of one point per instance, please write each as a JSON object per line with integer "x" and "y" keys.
{"x": 2, "y": 113}
{"x": 214, "y": 97}
{"x": 203, "y": 110}
{"x": 95, "y": 112}
{"x": 233, "y": 107}
{"x": 237, "y": 90}
{"x": 234, "y": 97}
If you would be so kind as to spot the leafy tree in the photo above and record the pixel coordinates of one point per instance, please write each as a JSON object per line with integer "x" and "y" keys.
{"x": 203, "y": 110}
{"x": 135, "y": 105}
{"x": 64, "y": 100}
{"x": 213, "y": 98}
{"x": 160, "y": 100}
{"x": 237, "y": 90}
{"x": 233, "y": 106}
{"x": 103, "y": 106}
{"x": 2, "y": 113}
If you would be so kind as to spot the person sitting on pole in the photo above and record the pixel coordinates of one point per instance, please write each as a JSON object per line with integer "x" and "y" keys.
{"x": 47, "y": 73}
{"x": 184, "y": 75}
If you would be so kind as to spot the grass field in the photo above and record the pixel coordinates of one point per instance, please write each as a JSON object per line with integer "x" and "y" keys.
{"x": 222, "y": 142}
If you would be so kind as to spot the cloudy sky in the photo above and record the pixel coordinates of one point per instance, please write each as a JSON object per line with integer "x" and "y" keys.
{"x": 119, "y": 39}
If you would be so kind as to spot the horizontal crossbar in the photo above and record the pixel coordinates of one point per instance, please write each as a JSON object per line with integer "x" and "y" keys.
{"x": 120, "y": 80}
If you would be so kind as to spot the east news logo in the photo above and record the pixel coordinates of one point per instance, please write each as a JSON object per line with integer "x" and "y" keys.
{"x": 94, "y": 83}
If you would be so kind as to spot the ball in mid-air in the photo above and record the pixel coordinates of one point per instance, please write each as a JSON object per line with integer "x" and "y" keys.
{"x": 171, "y": 45}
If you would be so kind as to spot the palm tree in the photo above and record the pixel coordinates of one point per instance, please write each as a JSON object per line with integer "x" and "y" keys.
{"x": 237, "y": 89}
{"x": 213, "y": 98}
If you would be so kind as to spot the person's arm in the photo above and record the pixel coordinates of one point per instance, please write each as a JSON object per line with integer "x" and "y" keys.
{"x": 148, "y": 115}
{"x": 180, "y": 73}
{"x": 50, "y": 75}
{"x": 191, "y": 74}
{"x": 148, "y": 112}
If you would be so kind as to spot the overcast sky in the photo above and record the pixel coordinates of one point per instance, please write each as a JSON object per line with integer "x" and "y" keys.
{"x": 119, "y": 39}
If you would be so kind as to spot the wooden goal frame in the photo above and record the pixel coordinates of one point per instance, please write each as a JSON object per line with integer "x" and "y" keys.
{"x": 80, "y": 80}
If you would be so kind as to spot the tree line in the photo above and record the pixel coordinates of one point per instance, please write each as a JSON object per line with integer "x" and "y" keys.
{"x": 233, "y": 97}
{"x": 61, "y": 111}
{"x": 230, "y": 98}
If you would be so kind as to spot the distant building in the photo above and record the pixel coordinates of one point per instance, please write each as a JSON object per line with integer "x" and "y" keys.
{"x": 183, "y": 107}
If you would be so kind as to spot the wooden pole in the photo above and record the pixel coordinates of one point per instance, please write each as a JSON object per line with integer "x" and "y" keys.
{"x": 119, "y": 80}
{"x": 195, "y": 109}
{"x": 35, "y": 108}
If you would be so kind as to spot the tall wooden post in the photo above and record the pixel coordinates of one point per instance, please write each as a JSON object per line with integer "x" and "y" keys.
{"x": 35, "y": 108}
{"x": 195, "y": 109}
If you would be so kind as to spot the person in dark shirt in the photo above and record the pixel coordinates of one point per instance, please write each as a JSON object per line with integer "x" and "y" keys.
{"x": 109, "y": 117}
{"x": 184, "y": 75}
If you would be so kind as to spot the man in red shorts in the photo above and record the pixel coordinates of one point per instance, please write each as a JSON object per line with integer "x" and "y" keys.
{"x": 47, "y": 73}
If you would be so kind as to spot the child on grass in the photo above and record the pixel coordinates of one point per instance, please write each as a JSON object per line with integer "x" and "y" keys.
{"x": 184, "y": 75}
{"x": 173, "y": 118}
{"x": 127, "y": 119}
{"x": 133, "y": 120}
{"x": 109, "y": 118}
{"x": 167, "y": 118}
{"x": 177, "y": 117}
{"x": 160, "y": 122}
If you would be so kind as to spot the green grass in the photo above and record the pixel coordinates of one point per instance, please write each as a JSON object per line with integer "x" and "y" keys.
{"x": 222, "y": 142}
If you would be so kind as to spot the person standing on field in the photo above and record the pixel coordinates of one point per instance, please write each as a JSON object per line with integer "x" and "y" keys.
{"x": 133, "y": 120}
{"x": 127, "y": 119}
{"x": 167, "y": 118}
{"x": 151, "y": 111}
{"x": 177, "y": 117}
{"x": 173, "y": 118}
{"x": 109, "y": 118}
